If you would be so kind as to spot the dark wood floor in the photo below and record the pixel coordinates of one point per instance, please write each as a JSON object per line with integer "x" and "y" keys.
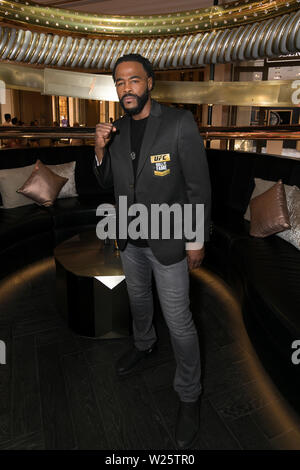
{"x": 60, "y": 391}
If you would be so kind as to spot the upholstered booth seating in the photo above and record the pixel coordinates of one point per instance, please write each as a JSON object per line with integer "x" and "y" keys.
{"x": 29, "y": 232}
{"x": 264, "y": 271}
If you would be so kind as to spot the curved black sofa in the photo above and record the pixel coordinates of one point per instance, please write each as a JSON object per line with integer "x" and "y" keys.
{"x": 264, "y": 272}
{"x": 28, "y": 233}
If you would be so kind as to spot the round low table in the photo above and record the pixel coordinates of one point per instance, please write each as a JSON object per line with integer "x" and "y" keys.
{"x": 91, "y": 288}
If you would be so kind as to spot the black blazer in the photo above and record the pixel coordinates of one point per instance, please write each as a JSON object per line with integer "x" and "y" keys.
{"x": 183, "y": 178}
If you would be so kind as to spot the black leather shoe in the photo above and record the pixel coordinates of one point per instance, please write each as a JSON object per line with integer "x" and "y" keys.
{"x": 187, "y": 425}
{"x": 131, "y": 358}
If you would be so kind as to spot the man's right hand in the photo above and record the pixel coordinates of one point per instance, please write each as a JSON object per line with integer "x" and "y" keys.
{"x": 103, "y": 135}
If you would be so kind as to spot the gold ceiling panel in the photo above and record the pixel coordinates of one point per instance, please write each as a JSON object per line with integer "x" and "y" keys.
{"x": 29, "y": 14}
{"x": 279, "y": 93}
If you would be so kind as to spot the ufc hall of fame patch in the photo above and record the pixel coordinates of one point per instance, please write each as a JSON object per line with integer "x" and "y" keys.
{"x": 160, "y": 163}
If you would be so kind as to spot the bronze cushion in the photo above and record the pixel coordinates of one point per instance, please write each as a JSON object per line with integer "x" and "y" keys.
{"x": 43, "y": 185}
{"x": 269, "y": 212}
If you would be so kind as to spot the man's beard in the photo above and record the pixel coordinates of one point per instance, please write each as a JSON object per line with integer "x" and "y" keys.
{"x": 141, "y": 101}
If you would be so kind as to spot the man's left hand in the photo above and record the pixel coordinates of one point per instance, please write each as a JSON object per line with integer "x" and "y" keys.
{"x": 195, "y": 258}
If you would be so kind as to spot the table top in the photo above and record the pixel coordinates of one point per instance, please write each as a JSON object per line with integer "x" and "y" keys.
{"x": 86, "y": 255}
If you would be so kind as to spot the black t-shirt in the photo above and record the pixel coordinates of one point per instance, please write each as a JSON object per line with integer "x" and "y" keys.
{"x": 137, "y": 130}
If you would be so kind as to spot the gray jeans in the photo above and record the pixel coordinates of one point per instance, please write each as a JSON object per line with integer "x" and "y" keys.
{"x": 173, "y": 289}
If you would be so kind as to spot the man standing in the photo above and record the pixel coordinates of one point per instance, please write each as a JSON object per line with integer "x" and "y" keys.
{"x": 155, "y": 155}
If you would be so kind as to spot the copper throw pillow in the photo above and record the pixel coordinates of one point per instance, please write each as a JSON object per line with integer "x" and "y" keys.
{"x": 43, "y": 185}
{"x": 269, "y": 212}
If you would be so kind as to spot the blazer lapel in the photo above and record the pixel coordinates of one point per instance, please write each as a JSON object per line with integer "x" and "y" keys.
{"x": 153, "y": 125}
{"x": 125, "y": 145}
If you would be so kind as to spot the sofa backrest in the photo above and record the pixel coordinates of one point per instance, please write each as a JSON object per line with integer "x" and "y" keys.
{"x": 232, "y": 173}
{"x": 232, "y": 177}
{"x": 86, "y": 183}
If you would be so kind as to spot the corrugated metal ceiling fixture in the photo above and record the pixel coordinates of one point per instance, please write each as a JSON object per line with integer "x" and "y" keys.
{"x": 260, "y": 39}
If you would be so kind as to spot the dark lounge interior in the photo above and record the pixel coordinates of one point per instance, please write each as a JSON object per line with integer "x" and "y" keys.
{"x": 58, "y": 387}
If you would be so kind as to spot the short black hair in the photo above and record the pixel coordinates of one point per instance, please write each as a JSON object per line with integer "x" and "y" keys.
{"x": 136, "y": 58}
{"x": 7, "y": 116}
{"x": 14, "y": 120}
